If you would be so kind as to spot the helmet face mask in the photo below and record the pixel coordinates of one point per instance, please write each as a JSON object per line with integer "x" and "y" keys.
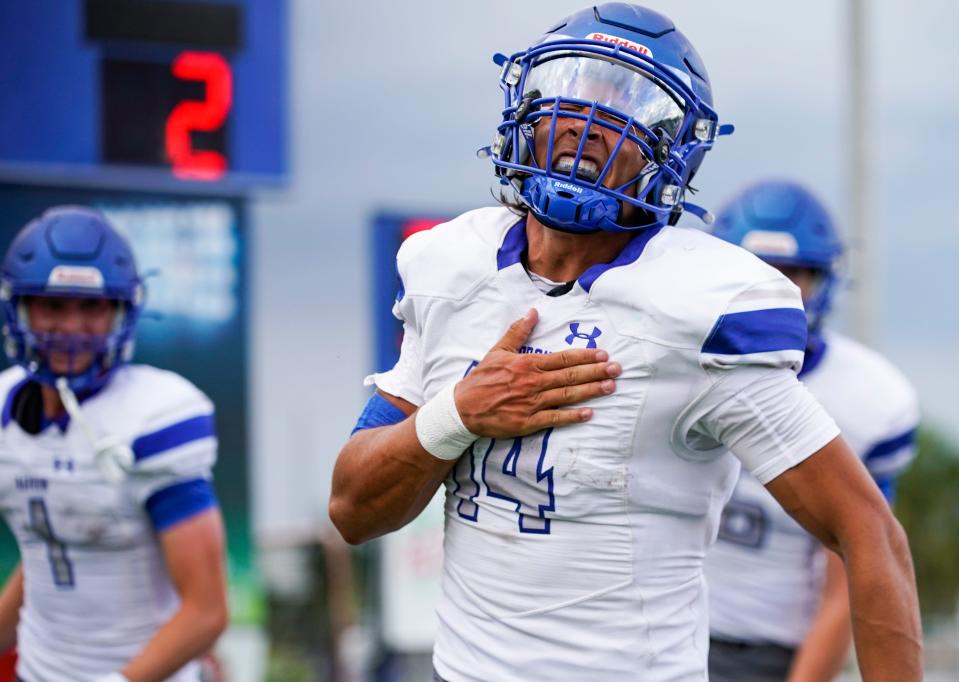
{"x": 636, "y": 88}
{"x": 70, "y": 258}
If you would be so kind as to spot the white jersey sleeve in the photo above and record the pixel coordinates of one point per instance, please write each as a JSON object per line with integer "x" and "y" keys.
{"x": 405, "y": 379}
{"x": 755, "y": 405}
{"x": 175, "y": 439}
{"x": 766, "y": 417}
{"x": 762, "y": 325}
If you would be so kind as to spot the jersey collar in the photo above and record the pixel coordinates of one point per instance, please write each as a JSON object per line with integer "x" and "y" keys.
{"x": 62, "y": 421}
{"x": 515, "y": 244}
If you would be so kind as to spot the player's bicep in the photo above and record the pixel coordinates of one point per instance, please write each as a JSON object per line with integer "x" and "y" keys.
{"x": 193, "y": 552}
{"x": 830, "y": 493}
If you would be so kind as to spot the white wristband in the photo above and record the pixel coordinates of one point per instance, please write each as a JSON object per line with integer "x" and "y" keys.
{"x": 439, "y": 427}
{"x": 113, "y": 677}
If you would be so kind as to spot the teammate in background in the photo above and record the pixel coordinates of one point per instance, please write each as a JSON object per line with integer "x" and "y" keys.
{"x": 779, "y": 603}
{"x": 104, "y": 471}
{"x": 585, "y": 452}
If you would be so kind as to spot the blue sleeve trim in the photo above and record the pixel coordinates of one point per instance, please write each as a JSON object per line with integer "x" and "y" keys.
{"x": 378, "y": 412}
{"x": 891, "y": 446}
{"x": 179, "y": 502}
{"x": 887, "y": 486}
{"x": 758, "y": 331}
{"x": 173, "y": 436}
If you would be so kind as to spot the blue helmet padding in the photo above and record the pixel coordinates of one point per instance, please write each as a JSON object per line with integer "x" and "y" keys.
{"x": 783, "y": 223}
{"x": 70, "y": 237}
{"x": 670, "y": 61}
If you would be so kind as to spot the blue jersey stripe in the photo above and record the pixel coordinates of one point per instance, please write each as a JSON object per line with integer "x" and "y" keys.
{"x": 887, "y": 486}
{"x": 758, "y": 331}
{"x": 178, "y": 502}
{"x": 890, "y": 446}
{"x": 173, "y": 436}
{"x": 630, "y": 254}
{"x": 514, "y": 243}
{"x": 378, "y": 412}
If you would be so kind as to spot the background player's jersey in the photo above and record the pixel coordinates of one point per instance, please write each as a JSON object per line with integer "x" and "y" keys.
{"x": 765, "y": 573}
{"x": 576, "y": 552}
{"x": 95, "y": 585}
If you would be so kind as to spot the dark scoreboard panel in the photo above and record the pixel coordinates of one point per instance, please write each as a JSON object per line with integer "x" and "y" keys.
{"x": 144, "y": 94}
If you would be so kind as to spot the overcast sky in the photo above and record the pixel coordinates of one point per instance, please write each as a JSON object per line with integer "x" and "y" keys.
{"x": 389, "y": 101}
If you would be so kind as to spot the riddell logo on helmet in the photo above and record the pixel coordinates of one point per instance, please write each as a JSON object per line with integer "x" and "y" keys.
{"x": 636, "y": 47}
{"x": 75, "y": 276}
{"x": 568, "y": 187}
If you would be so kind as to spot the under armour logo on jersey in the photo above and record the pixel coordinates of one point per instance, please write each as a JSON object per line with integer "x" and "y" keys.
{"x": 64, "y": 464}
{"x": 577, "y": 334}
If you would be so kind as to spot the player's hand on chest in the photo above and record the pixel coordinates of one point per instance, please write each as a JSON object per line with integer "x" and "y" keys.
{"x": 512, "y": 393}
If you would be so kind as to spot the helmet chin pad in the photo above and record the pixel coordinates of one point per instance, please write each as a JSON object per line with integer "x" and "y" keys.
{"x": 569, "y": 207}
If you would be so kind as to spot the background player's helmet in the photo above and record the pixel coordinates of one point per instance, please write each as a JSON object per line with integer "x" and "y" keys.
{"x": 70, "y": 251}
{"x": 784, "y": 224}
{"x": 624, "y": 68}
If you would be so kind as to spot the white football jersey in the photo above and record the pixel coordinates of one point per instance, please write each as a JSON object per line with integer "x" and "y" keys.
{"x": 765, "y": 573}
{"x": 576, "y": 553}
{"x": 95, "y": 585}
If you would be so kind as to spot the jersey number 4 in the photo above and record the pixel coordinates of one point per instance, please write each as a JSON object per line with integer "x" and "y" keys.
{"x": 511, "y": 470}
{"x": 56, "y": 550}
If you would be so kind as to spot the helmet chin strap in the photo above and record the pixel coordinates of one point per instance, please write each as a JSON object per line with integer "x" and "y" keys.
{"x": 703, "y": 214}
{"x": 114, "y": 457}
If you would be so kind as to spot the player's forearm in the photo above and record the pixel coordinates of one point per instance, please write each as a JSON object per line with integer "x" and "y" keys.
{"x": 824, "y": 650}
{"x": 885, "y": 608}
{"x": 826, "y": 645}
{"x": 11, "y": 599}
{"x": 382, "y": 479}
{"x": 190, "y": 633}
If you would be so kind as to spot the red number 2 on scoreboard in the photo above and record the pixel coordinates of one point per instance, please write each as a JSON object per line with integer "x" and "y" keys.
{"x": 206, "y": 115}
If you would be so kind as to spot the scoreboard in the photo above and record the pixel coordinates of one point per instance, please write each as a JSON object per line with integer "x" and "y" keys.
{"x": 166, "y": 95}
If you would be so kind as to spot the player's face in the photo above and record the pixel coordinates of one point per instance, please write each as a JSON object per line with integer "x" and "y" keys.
{"x": 807, "y": 279}
{"x": 70, "y": 316}
{"x": 600, "y": 143}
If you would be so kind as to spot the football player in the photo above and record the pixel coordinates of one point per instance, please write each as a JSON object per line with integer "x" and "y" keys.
{"x": 104, "y": 471}
{"x": 585, "y": 452}
{"x": 779, "y": 605}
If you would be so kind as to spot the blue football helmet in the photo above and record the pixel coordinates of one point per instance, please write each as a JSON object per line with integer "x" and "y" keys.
{"x": 70, "y": 251}
{"x": 623, "y": 68}
{"x": 785, "y": 225}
